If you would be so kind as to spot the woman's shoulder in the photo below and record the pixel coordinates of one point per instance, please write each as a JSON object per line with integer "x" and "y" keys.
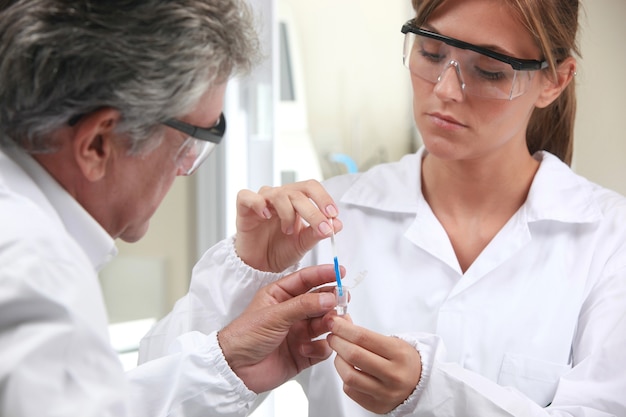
{"x": 560, "y": 181}
{"x": 380, "y": 178}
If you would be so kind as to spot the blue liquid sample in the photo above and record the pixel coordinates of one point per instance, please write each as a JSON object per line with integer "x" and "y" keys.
{"x": 338, "y": 277}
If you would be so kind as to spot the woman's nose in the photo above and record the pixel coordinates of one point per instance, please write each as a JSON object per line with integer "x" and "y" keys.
{"x": 450, "y": 85}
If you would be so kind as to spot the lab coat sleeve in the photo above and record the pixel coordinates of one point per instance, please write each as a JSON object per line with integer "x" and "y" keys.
{"x": 56, "y": 361}
{"x": 182, "y": 348}
{"x": 192, "y": 379}
{"x": 594, "y": 386}
{"x": 222, "y": 285}
{"x": 447, "y": 389}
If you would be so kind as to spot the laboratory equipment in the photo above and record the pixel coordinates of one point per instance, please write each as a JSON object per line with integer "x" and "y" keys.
{"x": 342, "y": 299}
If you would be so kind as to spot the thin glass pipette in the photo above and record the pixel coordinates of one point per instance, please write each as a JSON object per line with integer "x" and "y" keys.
{"x": 342, "y": 299}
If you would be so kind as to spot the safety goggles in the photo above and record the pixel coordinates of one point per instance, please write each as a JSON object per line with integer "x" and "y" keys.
{"x": 481, "y": 72}
{"x": 200, "y": 143}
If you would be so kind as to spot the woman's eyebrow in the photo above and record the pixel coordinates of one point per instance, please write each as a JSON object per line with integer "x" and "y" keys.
{"x": 491, "y": 47}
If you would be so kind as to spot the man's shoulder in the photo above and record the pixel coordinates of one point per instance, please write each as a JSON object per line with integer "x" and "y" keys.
{"x": 28, "y": 229}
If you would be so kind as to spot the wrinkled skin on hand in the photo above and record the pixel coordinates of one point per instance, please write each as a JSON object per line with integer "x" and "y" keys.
{"x": 271, "y": 341}
{"x": 271, "y": 234}
{"x": 378, "y": 372}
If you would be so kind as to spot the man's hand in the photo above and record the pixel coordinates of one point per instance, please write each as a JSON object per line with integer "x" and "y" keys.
{"x": 271, "y": 341}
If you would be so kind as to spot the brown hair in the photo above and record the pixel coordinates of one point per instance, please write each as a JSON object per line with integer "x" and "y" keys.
{"x": 554, "y": 25}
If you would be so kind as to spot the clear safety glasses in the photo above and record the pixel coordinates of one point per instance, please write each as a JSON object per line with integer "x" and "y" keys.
{"x": 200, "y": 143}
{"x": 481, "y": 72}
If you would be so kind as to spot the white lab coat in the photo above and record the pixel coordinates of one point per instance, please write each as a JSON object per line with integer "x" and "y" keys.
{"x": 535, "y": 327}
{"x": 56, "y": 359}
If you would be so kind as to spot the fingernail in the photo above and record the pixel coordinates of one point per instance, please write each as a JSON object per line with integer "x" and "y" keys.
{"x": 325, "y": 229}
{"x": 327, "y": 300}
{"x": 267, "y": 214}
{"x": 289, "y": 231}
{"x": 331, "y": 211}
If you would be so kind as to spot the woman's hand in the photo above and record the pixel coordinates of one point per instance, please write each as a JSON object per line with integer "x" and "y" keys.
{"x": 271, "y": 234}
{"x": 378, "y": 372}
{"x": 271, "y": 341}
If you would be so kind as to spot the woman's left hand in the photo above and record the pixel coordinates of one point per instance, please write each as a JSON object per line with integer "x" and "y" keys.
{"x": 378, "y": 372}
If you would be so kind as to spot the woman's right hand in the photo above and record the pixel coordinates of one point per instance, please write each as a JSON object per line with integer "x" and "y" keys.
{"x": 271, "y": 234}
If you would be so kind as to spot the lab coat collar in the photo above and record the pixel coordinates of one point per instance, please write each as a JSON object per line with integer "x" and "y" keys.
{"x": 393, "y": 187}
{"x": 556, "y": 192}
{"x": 50, "y": 196}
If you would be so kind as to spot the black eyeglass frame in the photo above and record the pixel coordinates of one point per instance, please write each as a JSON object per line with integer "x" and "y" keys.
{"x": 213, "y": 134}
{"x": 515, "y": 63}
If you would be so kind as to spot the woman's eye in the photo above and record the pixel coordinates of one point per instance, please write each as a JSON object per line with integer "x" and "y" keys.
{"x": 490, "y": 75}
{"x": 431, "y": 56}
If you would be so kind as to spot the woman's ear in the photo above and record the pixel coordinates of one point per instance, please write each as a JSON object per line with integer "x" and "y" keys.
{"x": 552, "y": 87}
{"x": 94, "y": 142}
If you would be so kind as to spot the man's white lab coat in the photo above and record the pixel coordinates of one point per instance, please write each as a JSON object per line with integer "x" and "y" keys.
{"x": 56, "y": 359}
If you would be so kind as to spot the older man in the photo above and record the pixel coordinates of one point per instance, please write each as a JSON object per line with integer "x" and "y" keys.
{"x": 102, "y": 105}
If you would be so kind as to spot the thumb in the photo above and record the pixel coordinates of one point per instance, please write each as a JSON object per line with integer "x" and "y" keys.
{"x": 304, "y": 307}
{"x": 254, "y": 334}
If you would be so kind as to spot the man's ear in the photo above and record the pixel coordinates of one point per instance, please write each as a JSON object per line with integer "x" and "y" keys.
{"x": 552, "y": 88}
{"x": 94, "y": 142}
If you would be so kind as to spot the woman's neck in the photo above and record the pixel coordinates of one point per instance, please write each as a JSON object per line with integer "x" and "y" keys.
{"x": 479, "y": 184}
{"x": 474, "y": 199}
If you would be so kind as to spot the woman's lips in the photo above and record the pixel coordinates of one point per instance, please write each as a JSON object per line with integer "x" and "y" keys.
{"x": 445, "y": 121}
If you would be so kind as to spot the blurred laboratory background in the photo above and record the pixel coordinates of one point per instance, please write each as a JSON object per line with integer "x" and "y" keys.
{"x": 331, "y": 97}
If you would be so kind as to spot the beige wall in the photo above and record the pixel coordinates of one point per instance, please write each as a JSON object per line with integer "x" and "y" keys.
{"x": 359, "y": 102}
{"x": 600, "y": 145}
{"x": 170, "y": 237}
{"x": 168, "y": 243}
{"x": 358, "y": 91}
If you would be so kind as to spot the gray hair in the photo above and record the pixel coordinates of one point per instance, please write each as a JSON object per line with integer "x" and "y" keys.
{"x": 151, "y": 60}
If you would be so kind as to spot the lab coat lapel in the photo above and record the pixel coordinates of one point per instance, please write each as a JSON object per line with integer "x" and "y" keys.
{"x": 557, "y": 194}
{"x": 509, "y": 241}
{"x": 396, "y": 188}
{"x": 429, "y": 235}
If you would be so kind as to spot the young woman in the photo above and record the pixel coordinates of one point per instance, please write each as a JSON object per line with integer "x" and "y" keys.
{"x": 496, "y": 276}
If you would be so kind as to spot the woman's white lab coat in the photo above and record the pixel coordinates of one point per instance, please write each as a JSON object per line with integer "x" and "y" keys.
{"x": 535, "y": 327}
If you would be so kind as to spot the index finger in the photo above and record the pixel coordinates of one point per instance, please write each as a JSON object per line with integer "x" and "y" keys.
{"x": 302, "y": 281}
{"x": 307, "y": 199}
{"x": 365, "y": 338}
